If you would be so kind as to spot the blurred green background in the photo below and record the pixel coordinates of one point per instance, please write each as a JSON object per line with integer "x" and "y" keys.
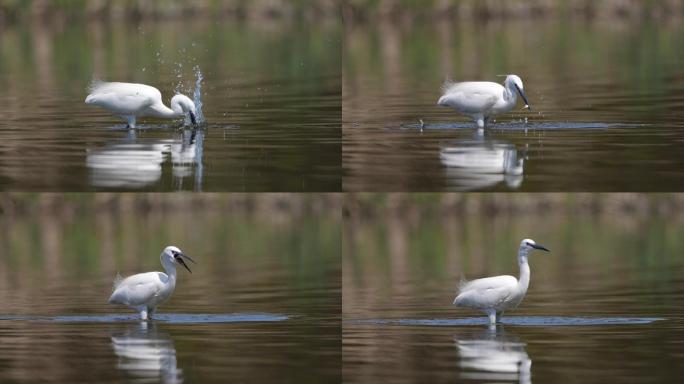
{"x": 408, "y": 9}
{"x": 60, "y": 246}
{"x": 270, "y": 93}
{"x": 612, "y": 256}
{"x": 12, "y": 10}
{"x": 604, "y": 79}
{"x": 404, "y": 254}
{"x": 255, "y": 253}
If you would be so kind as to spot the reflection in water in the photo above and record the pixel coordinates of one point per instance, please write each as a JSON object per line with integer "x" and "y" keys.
{"x": 493, "y": 355}
{"x": 136, "y": 163}
{"x": 480, "y": 163}
{"x": 147, "y": 355}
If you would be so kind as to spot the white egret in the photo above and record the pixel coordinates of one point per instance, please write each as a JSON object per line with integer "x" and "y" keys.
{"x": 129, "y": 100}
{"x": 145, "y": 291}
{"x": 483, "y": 99}
{"x": 494, "y": 295}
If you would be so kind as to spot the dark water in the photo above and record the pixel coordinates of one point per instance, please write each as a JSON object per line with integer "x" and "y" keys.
{"x": 603, "y": 306}
{"x": 270, "y": 95}
{"x": 606, "y": 99}
{"x": 262, "y": 303}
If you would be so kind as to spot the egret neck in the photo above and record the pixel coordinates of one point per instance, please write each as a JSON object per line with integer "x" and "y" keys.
{"x": 170, "y": 268}
{"x": 524, "y": 280}
{"x": 510, "y": 96}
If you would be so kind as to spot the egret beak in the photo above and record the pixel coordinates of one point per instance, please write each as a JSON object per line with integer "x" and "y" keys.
{"x": 193, "y": 119}
{"x": 179, "y": 259}
{"x": 539, "y": 247}
{"x": 187, "y": 257}
{"x": 522, "y": 94}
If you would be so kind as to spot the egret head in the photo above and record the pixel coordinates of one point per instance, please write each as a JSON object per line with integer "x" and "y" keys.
{"x": 529, "y": 244}
{"x": 182, "y": 104}
{"x": 175, "y": 255}
{"x": 514, "y": 83}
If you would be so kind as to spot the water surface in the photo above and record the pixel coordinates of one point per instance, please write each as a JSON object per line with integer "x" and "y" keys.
{"x": 606, "y": 99}
{"x": 262, "y": 303}
{"x": 270, "y": 96}
{"x": 603, "y": 306}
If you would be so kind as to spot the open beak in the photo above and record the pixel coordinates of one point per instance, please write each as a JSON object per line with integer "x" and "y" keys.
{"x": 179, "y": 259}
{"x": 540, "y": 247}
{"x": 194, "y": 120}
{"x": 522, "y": 94}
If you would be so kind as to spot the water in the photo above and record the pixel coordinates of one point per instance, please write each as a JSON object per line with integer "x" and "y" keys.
{"x": 268, "y": 93}
{"x": 603, "y": 306}
{"x": 261, "y": 305}
{"x": 606, "y": 97}
{"x": 197, "y": 95}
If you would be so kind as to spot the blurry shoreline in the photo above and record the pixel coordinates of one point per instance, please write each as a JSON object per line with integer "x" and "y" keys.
{"x": 264, "y": 205}
{"x": 414, "y": 205}
{"x": 406, "y": 10}
{"x": 138, "y": 10}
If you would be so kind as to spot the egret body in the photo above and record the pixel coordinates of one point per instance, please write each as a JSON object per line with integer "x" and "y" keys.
{"x": 129, "y": 101}
{"x": 482, "y": 99}
{"x": 494, "y": 295}
{"x": 145, "y": 291}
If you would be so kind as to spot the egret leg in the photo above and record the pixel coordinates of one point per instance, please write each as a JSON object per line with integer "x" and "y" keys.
{"x": 150, "y": 312}
{"x": 499, "y": 315}
{"x": 479, "y": 119}
{"x": 492, "y": 316}
{"x": 130, "y": 120}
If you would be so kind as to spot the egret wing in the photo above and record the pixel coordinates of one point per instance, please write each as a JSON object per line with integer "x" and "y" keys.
{"x": 122, "y": 98}
{"x": 486, "y": 293}
{"x": 137, "y": 289}
{"x": 471, "y": 96}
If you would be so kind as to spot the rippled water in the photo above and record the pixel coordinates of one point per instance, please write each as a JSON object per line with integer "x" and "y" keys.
{"x": 270, "y": 96}
{"x": 606, "y": 98}
{"x": 603, "y": 306}
{"x": 262, "y": 303}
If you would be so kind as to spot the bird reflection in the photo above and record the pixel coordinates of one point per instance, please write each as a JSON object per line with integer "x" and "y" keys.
{"x": 480, "y": 163}
{"x": 147, "y": 355}
{"x": 138, "y": 162}
{"x": 493, "y": 355}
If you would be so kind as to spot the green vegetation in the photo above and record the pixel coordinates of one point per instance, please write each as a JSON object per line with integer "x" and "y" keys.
{"x": 364, "y": 9}
{"x": 13, "y": 10}
{"x": 408, "y": 249}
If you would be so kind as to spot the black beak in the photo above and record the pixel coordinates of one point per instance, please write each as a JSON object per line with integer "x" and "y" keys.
{"x": 522, "y": 94}
{"x": 179, "y": 259}
{"x": 539, "y": 247}
{"x": 194, "y": 120}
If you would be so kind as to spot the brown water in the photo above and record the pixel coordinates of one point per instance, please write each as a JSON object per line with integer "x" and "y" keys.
{"x": 262, "y": 303}
{"x": 603, "y": 306}
{"x": 270, "y": 97}
{"x": 606, "y": 99}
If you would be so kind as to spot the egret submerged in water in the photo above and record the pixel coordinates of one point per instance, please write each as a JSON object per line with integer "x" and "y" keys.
{"x": 145, "y": 291}
{"x": 494, "y": 295}
{"x": 129, "y": 101}
{"x": 482, "y": 99}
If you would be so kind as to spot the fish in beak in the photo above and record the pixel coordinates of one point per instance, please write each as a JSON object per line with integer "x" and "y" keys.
{"x": 179, "y": 259}
{"x": 522, "y": 94}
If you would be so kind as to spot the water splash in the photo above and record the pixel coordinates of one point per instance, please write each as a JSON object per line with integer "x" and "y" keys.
{"x": 197, "y": 95}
